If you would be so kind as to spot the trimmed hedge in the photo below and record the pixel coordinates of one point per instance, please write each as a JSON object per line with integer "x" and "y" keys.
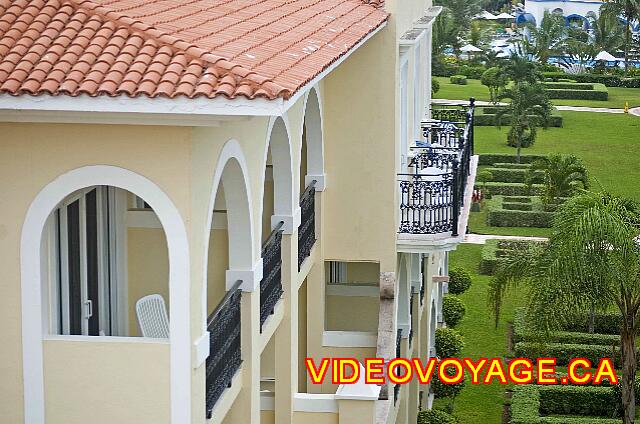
{"x": 436, "y": 416}
{"x": 520, "y": 333}
{"x": 512, "y": 165}
{"x": 449, "y": 343}
{"x": 607, "y": 80}
{"x": 604, "y": 323}
{"x": 525, "y": 215}
{"x": 599, "y": 93}
{"x": 511, "y": 175}
{"x": 493, "y": 158}
{"x": 569, "y": 86}
{"x": 513, "y": 189}
{"x": 458, "y": 79}
{"x": 494, "y": 250}
{"x": 453, "y": 309}
{"x": 529, "y": 400}
{"x": 564, "y": 352}
{"x": 459, "y": 280}
{"x": 517, "y": 199}
{"x": 486, "y": 117}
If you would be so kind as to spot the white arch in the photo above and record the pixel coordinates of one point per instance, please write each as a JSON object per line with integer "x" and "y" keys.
{"x": 232, "y": 172}
{"x": 31, "y": 282}
{"x": 315, "y": 141}
{"x": 284, "y": 205}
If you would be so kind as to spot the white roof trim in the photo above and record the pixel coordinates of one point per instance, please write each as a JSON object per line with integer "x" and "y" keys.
{"x": 179, "y": 111}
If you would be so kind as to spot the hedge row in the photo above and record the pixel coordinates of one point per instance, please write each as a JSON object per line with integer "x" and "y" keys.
{"x": 529, "y": 401}
{"x": 511, "y": 175}
{"x": 607, "y": 80}
{"x": 569, "y": 86}
{"x": 512, "y": 165}
{"x": 521, "y": 333}
{"x": 513, "y": 189}
{"x": 564, "y": 352}
{"x": 599, "y": 93}
{"x": 494, "y": 158}
{"x": 494, "y": 250}
{"x": 486, "y": 117}
{"x": 529, "y": 215}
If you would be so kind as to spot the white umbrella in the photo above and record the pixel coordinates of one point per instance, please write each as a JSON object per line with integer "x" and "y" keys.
{"x": 469, "y": 48}
{"x": 606, "y": 57}
{"x": 488, "y": 15}
{"x": 504, "y": 15}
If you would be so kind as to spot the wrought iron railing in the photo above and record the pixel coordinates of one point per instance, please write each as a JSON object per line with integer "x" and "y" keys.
{"x": 271, "y": 284}
{"x": 307, "y": 229}
{"x": 432, "y": 196}
{"x": 225, "y": 356}
{"x": 396, "y": 388}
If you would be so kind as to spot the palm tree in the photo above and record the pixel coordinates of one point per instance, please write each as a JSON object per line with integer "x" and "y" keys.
{"x": 607, "y": 33}
{"x": 630, "y": 11}
{"x": 520, "y": 69}
{"x": 529, "y": 108}
{"x": 548, "y": 38}
{"x": 445, "y": 33}
{"x": 562, "y": 176}
{"x": 592, "y": 257}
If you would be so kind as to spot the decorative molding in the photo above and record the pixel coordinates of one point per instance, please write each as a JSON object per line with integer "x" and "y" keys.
{"x": 250, "y": 278}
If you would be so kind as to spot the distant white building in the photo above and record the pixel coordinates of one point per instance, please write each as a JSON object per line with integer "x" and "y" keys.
{"x": 576, "y": 12}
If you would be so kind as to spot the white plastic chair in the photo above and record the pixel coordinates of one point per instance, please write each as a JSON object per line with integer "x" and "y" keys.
{"x": 152, "y": 317}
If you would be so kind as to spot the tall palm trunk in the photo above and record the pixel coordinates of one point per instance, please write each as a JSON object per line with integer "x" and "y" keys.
{"x": 628, "y": 344}
{"x": 627, "y": 41}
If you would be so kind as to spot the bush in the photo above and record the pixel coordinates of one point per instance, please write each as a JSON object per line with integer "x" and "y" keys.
{"x": 488, "y": 258}
{"x": 529, "y": 400}
{"x": 568, "y": 86}
{"x": 564, "y": 352}
{"x": 458, "y": 79}
{"x": 435, "y": 416}
{"x": 512, "y": 175}
{"x": 459, "y": 280}
{"x": 617, "y": 393}
{"x": 472, "y": 71}
{"x": 486, "y": 117}
{"x": 453, "y": 310}
{"x": 442, "y": 390}
{"x": 604, "y": 323}
{"x": 514, "y": 189}
{"x": 435, "y": 86}
{"x": 517, "y": 206}
{"x": 449, "y": 343}
{"x": 499, "y": 217}
{"x": 512, "y": 165}
{"x": 517, "y": 199}
{"x": 599, "y": 93}
{"x": 576, "y": 400}
{"x": 493, "y": 158}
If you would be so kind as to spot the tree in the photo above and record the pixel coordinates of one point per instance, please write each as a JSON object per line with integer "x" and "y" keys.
{"x": 445, "y": 33}
{"x": 562, "y": 176}
{"x": 455, "y": 20}
{"x": 607, "y": 33}
{"x": 520, "y": 69}
{"x": 592, "y": 257}
{"x": 496, "y": 80}
{"x": 629, "y": 10}
{"x": 529, "y": 108}
{"x": 548, "y": 38}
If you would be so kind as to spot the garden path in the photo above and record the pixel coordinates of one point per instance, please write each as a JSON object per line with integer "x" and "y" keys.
{"x": 482, "y": 238}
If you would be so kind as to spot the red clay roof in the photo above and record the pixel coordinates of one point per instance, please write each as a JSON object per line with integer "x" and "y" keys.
{"x": 231, "y": 48}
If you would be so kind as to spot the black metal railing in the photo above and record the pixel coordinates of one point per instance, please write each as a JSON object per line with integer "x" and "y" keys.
{"x": 432, "y": 196}
{"x": 396, "y": 388}
{"x": 225, "y": 356}
{"x": 271, "y": 284}
{"x": 307, "y": 229}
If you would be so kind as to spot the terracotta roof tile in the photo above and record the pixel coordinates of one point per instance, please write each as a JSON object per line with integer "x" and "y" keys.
{"x": 169, "y": 48}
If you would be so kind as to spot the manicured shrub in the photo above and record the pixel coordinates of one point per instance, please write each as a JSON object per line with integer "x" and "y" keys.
{"x": 435, "y": 86}
{"x": 449, "y": 343}
{"x": 436, "y": 416}
{"x": 486, "y": 117}
{"x": 458, "y": 79}
{"x": 604, "y": 323}
{"x": 514, "y": 189}
{"x": 617, "y": 393}
{"x": 525, "y": 215}
{"x": 569, "y": 86}
{"x": 493, "y": 158}
{"x": 599, "y": 92}
{"x": 564, "y": 352}
{"x": 488, "y": 258}
{"x": 453, "y": 310}
{"x": 472, "y": 71}
{"x": 512, "y": 165}
{"x": 510, "y": 175}
{"x": 442, "y": 390}
{"x": 576, "y": 400}
{"x": 528, "y": 401}
{"x": 607, "y": 80}
{"x": 459, "y": 280}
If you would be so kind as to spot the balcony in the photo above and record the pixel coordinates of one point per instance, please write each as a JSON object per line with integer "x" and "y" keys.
{"x": 271, "y": 284}
{"x": 435, "y": 193}
{"x": 307, "y": 229}
{"x": 225, "y": 357}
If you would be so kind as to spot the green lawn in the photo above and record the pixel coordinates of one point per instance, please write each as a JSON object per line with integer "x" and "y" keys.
{"x": 609, "y": 145}
{"x": 481, "y": 404}
{"x": 617, "y": 96}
